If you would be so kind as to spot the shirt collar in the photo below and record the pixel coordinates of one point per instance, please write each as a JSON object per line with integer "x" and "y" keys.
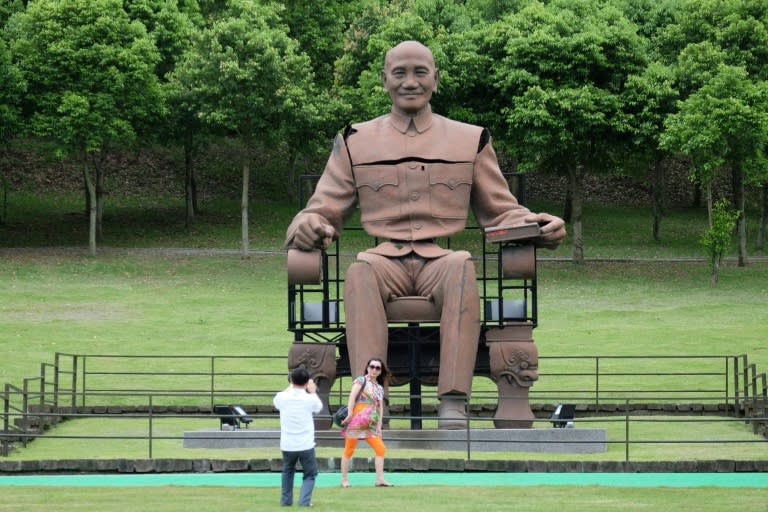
{"x": 422, "y": 120}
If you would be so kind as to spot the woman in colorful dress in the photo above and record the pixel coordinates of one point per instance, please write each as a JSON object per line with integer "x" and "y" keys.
{"x": 366, "y": 412}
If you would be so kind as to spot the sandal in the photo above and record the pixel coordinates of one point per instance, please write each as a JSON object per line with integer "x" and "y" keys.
{"x": 345, "y": 485}
{"x": 384, "y": 484}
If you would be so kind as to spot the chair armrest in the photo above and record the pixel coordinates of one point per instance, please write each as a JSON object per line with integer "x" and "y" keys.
{"x": 304, "y": 267}
{"x": 519, "y": 261}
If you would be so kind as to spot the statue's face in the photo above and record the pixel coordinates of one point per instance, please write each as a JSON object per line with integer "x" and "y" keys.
{"x": 410, "y": 76}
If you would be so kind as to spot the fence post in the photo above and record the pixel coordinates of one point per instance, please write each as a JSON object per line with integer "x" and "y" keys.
{"x": 626, "y": 432}
{"x": 213, "y": 380}
{"x": 597, "y": 380}
{"x": 727, "y": 389}
{"x": 56, "y": 363}
{"x": 85, "y": 370}
{"x": 73, "y": 393}
{"x": 6, "y": 423}
{"x": 150, "y": 427}
{"x": 736, "y": 390}
{"x": 41, "y": 398}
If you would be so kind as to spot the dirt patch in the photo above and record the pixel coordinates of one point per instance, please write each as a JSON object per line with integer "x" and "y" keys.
{"x": 76, "y": 313}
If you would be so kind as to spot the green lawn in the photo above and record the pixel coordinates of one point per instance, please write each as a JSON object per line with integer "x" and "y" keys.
{"x": 426, "y": 498}
{"x": 142, "y": 303}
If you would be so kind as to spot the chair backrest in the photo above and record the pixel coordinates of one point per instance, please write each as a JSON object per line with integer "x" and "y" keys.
{"x": 506, "y": 273}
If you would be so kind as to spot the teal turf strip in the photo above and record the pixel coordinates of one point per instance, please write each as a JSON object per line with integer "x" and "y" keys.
{"x": 756, "y": 480}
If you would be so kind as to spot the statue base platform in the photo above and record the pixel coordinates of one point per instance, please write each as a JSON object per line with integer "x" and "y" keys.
{"x": 552, "y": 440}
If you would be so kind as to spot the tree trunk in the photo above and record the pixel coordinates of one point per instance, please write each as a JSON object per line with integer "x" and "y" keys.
{"x": 576, "y": 188}
{"x": 4, "y": 215}
{"x": 568, "y": 204}
{"x": 244, "y": 204}
{"x": 696, "y": 202}
{"x": 760, "y": 243}
{"x": 188, "y": 184}
{"x": 90, "y": 192}
{"x": 99, "y": 196}
{"x": 716, "y": 258}
{"x": 291, "y": 182}
{"x": 658, "y": 186}
{"x": 741, "y": 223}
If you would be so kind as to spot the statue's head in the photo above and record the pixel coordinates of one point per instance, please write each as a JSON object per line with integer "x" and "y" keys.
{"x": 410, "y": 76}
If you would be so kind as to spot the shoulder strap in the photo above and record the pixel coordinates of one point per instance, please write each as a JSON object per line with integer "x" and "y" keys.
{"x": 361, "y": 387}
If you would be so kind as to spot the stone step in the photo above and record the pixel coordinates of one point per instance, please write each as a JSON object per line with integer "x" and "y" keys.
{"x": 553, "y": 440}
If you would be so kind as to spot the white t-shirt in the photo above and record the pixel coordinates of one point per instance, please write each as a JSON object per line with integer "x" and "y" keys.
{"x": 297, "y": 427}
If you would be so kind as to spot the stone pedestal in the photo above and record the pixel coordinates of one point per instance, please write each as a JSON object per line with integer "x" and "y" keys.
{"x": 552, "y": 440}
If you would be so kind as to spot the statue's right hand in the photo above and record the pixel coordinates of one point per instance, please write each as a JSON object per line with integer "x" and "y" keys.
{"x": 314, "y": 233}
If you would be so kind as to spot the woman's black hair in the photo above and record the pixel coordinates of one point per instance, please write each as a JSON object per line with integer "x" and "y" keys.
{"x": 384, "y": 374}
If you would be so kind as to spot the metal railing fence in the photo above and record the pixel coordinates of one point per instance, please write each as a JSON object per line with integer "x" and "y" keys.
{"x": 101, "y": 380}
{"x": 629, "y": 434}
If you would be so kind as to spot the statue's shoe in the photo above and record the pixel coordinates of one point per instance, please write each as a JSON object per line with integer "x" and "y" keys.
{"x": 452, "y": 414}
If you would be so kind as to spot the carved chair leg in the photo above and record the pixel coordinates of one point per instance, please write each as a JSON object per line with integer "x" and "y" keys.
{"x": 514, "y": 368}
{"x": 320, "y": 360}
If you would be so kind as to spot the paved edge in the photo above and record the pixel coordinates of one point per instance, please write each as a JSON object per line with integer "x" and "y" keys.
{"x": 362, "y": 464}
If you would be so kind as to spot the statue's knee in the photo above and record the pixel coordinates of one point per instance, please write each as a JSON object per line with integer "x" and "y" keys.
{"x": 360, "y": 272}
{"x": 361, "y": 283}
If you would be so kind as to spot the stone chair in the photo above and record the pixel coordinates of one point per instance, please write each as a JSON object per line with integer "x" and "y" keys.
{"x": 506, "y": 351}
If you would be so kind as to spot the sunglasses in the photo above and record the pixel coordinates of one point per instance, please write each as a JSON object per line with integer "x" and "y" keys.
{"x": 374, "y": 367}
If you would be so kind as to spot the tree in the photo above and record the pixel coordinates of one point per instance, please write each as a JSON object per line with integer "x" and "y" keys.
{"x": 561, "y": 69}
{"x": 724, "y": 125}
{"x": 12, "y": 88}
{"x": 442, "y": 25}
{"x": 246, "y": 78}
{"x": 172, "y": 24}
{"x": 650, "y": 97}
{"x": 169, "y": 24}
{"x": 718, "y": 235}
{"x": 704, "y": 36}
{"x": 91, "y": 82}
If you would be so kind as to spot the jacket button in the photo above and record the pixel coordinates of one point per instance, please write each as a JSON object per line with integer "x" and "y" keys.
{"x": 415, "y": 196}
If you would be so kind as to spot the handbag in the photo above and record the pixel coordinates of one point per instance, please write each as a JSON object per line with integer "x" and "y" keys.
{"x": 340, "y": 415}
{"x": 342, "y": 412}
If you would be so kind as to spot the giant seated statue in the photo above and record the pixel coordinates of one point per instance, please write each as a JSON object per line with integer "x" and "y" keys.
{"x": 414, "y": 176}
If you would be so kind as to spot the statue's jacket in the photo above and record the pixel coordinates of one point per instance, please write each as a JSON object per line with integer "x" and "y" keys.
{"x": 412, "y": 186}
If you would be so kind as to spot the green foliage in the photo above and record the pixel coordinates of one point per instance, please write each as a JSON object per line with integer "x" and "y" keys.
{"x": 8, "y": 7}
{"x": 717, "y": 238}
{"x": 723, "y": 123}
{"x": 244, "y": 75}
{"x": 169, "y": 25}
{"x": 318, "y": 31}
{"x": 89, "y": 69}
{"x": 12, "y": 87}
{"x": 737, "y": 30}
{"x": 560, "y": 71}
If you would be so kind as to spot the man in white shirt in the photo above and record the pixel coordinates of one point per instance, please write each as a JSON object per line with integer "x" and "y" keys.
{"x": 297, "y": 404}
